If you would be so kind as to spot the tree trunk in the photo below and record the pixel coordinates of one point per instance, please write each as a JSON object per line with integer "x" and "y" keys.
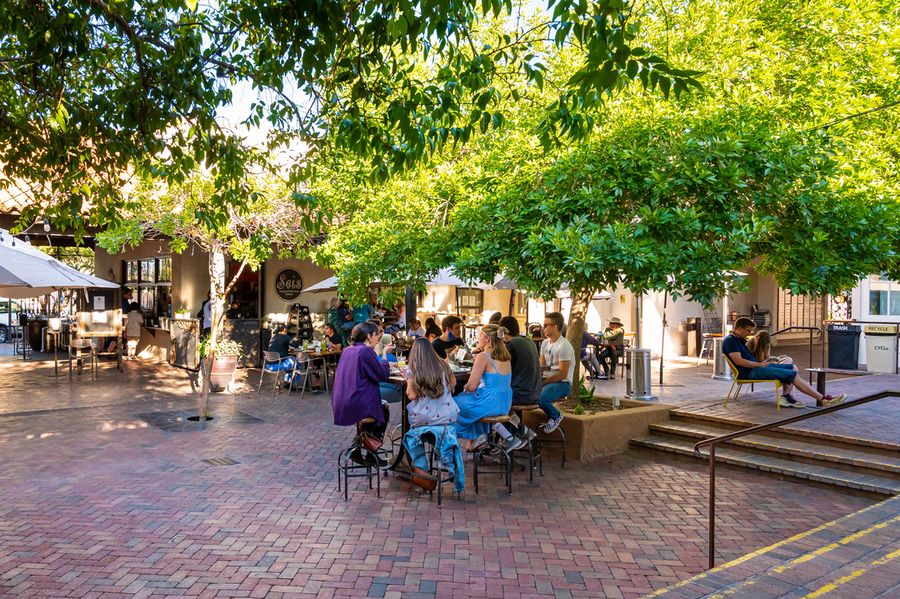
{"x": 217, "y": 303}
{"x": 575, "y": 330}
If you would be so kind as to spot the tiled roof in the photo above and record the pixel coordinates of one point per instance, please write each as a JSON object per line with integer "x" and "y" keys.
{"x": 14, "y": 196}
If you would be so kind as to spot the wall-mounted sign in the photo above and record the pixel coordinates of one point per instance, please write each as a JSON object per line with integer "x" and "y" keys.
{"x": 288, "y": 284}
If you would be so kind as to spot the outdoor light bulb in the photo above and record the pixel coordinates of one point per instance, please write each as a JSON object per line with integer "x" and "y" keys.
{"x": 46, "y": 225}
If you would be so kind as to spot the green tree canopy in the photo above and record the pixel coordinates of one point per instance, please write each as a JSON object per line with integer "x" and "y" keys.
{"x": 788, "y": 155}
{"x": 95, "y": 92}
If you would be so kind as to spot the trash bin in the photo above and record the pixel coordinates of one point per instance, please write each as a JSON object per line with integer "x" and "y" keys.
{"x": 843, "y": 346}
{"x": 881, "y": 348}
{"x": 637, "y": 369}
{"x": 35, "y": 338}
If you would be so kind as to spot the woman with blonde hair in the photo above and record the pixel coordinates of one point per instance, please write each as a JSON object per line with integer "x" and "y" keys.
{"x": 432, "y": 414}
{"x": 760, "y": 345}
{"x": 488, "y": 391}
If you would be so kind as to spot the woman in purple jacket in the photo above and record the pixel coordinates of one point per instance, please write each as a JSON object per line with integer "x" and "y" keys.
{"x": 356, "y": 394}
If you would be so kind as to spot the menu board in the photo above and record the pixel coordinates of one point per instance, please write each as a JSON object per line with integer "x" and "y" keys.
{"x": 100, "y": 315}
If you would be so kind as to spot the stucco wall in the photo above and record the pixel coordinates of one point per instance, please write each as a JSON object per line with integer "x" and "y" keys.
{"x": 190, "y": 278}
{"x": 311, "y": 273}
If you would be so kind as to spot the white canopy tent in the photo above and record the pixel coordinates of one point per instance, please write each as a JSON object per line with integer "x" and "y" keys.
{"x": 25, "y": 271}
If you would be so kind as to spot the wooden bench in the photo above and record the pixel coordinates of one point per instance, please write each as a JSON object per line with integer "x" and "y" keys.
{"x": 822, "y": 372}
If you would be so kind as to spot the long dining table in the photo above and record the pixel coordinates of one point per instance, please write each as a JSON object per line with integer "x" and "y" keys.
{"x": 313, "y": 356}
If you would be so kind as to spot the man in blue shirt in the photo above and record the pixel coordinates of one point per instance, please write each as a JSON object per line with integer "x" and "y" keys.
{"x": 735, "y": 348}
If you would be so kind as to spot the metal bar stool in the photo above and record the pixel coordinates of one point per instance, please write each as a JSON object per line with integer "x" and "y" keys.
{"x": 560, "y": 440}
{"x": 76, "y": 353}
{"x": 532, "y": 450}
{"x": 492, "y": 459}
{"x": 437, "y": 471}
{"x": 348, "y": 469}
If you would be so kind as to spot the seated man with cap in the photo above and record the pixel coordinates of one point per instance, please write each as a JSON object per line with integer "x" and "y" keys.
{"x": 612, "y": 345}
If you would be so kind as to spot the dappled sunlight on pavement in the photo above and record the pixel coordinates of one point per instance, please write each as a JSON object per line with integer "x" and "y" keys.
{"x": 100, "y": 493}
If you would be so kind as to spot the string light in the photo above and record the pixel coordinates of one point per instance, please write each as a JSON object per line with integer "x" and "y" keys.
{"x": 46, "y": 225}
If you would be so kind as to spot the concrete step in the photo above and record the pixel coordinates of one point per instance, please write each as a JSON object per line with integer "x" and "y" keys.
{"x": 794, "y": 430}
{"x": 788, "y": 444}
{"x": 832, "y": 474}
{"x": 854, "y": 556}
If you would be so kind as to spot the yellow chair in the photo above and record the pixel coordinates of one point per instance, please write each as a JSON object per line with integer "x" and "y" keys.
{"x": 741, "y": 382}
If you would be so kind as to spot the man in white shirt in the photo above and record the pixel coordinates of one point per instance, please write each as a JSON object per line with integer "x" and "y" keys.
{"x": 559, "y": 355}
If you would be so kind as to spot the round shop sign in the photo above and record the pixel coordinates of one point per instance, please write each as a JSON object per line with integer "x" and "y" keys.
{"x": 288, "y": 284}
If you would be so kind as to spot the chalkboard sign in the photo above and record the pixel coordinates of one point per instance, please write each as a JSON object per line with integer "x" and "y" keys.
{"x": 288, "y": 284}
{"x": 101, "y": 314}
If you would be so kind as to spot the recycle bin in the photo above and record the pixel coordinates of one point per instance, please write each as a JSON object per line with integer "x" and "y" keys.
{"x": 881, "y": 348}
{"x": 843, "y": 346}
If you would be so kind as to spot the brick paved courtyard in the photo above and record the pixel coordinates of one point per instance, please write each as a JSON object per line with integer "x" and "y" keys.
{"x": 95, "y": 502}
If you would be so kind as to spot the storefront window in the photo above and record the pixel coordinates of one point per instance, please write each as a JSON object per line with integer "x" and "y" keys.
{"x": 884, "y": 296}
{"x": 164, "y": 272}
{"x": 131, "y": 272}
{"x": 152, "y": 280}
{"x": 471, "y": 301}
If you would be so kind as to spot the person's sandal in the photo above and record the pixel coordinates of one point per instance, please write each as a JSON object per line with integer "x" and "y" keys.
{"x": 424, "y": 480}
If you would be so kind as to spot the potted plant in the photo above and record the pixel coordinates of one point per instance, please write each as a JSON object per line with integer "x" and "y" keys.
{"x": 182, "y": 313}
{"x": 225, "y": 361}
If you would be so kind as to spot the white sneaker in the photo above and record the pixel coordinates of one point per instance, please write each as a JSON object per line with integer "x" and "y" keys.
{"x": 553, "y": 424}
{"x": 478, "y": 442}
{"x": 787, "y": 402}
{"x": 513, "y": 444}
{"x": 828, "y": 400}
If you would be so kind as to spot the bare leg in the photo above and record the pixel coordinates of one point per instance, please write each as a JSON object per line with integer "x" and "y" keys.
{"x": 804, "y": 388}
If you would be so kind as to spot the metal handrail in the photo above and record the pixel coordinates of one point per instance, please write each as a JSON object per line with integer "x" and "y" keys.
{"x": 796, "y": 328}
{"x": 712, "y": 442}
{"x": 803, "y": 328}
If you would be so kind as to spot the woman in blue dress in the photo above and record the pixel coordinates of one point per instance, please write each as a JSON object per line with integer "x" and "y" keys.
{"x": 488, "y": 391}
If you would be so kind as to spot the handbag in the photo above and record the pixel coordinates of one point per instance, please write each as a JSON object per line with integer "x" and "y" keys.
{"x": 370, "y": 443}
{"x": 424, "y": 480}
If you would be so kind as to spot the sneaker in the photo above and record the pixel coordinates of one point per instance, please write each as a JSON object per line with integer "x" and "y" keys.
{"x": 527, "y": 434}
{"x": 514, "y": 443}
{"x": 787, "y": 401}
{"x": 553, "y": 424}
{"x": 478, "y": 442}
{"x": 830, "y": 400}
{"x": 601, "y": 377}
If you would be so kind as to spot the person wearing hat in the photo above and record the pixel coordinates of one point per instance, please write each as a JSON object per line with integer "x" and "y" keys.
{"x": 613, "y": 344}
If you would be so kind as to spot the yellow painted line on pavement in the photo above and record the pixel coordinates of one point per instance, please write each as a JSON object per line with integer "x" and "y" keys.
{"x": 831, "y": 586}
{"x": 808, "y": 556}
{"x": 764, "y": 550}
{"x": 832, "y": 546}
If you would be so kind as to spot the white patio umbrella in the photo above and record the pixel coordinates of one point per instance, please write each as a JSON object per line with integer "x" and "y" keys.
{"x": 329, "y": 284}
{"x": 25, "y": 271}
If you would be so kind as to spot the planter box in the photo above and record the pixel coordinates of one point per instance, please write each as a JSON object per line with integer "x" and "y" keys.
{"x": 222, "y": 373}
{"x": 590, "y": 436}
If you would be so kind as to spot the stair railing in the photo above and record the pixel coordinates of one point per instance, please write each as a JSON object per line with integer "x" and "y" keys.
{"x": 811, "y": 330}
{"x": 712, "y": 442}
